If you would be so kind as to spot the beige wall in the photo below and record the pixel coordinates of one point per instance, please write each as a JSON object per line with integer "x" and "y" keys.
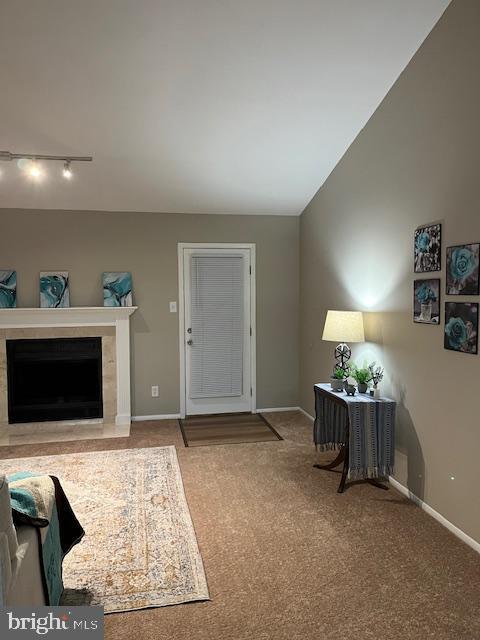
{"x": 416, "y": 161}
{"x": 87, "y": 243}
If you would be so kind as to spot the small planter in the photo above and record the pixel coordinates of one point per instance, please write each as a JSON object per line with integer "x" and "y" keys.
{"x": 337, "y": 384}
{"x": 362, "y": 387}
{"x": 350, "y": 389}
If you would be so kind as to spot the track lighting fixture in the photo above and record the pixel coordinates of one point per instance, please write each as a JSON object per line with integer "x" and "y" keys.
{"x": 29, "y": 162}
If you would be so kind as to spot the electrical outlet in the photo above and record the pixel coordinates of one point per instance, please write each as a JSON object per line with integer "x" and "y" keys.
{"x": 173, "y": 307}
{"x": 155, "y": 391}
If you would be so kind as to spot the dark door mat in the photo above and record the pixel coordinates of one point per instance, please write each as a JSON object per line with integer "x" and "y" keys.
{"x": 226, "y": 428}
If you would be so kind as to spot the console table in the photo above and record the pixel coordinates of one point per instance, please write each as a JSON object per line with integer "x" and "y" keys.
{"x": 361, "y": 429}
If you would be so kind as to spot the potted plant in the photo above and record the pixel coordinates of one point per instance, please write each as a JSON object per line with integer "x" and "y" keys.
{"x": 337, "y": 379}
{"x": 362, "y": 377}
{"x": 425, "y": 296}
{"x": 376, "y": 375}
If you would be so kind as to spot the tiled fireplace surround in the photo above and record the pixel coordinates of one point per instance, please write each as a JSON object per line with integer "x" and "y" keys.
{"x": 113, "y": 326}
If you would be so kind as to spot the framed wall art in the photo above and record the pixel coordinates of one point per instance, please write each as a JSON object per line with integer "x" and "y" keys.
{"x": 428, "y": 248}
{"x": 463, "y": 269}
{"x": 426, "y": 301}
{"x": 461, "y": 327}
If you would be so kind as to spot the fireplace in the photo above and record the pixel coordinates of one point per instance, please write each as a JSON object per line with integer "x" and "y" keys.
{"x": 54, "y": 379}
{"x": 86, "y": 350}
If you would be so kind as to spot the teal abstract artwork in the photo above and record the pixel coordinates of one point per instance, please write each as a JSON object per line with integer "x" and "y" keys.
{"x": 8, "y": 289}
{"x": 54, "y": 289}
{"x": 117, "y": 289}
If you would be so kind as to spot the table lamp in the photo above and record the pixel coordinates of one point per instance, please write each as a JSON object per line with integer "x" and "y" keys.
{"x": 343, "y": 327}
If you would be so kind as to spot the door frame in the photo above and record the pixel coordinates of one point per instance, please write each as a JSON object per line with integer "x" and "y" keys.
{"x": 181, "y": 315}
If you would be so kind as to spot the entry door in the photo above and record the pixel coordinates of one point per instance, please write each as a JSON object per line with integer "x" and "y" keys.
{"x": 217, "y": 330}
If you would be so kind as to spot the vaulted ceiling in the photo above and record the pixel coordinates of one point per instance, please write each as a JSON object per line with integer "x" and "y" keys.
{"x": 208, "y": 106}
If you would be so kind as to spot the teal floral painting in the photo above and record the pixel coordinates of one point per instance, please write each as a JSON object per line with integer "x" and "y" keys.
{"x": 462, "y": 269}
{"x": 461, "y": 326}
{"x": 54, "y": 289}
{"x": 8, "y": 289}
{"x": 426, "y": 301}
{"x": 117, "y": 289}
{"x": 427, "y": 248}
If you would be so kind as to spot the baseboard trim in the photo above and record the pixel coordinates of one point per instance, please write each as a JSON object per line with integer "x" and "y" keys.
{"x": 160, "y": 416}
{"x": 438, "y": 516}
{"x": 176, "y": 416}
{"x": 276, "y": 409}
{"x": 305, "y": 413}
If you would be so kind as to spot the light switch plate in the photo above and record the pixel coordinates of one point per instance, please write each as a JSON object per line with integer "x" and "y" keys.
{"x": 173, "y": 307}
{"x": 155, "y": 391}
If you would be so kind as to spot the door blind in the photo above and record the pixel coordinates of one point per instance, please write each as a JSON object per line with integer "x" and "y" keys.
{"x": 216, "y": 359}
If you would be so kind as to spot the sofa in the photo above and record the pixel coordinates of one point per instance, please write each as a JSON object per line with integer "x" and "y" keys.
{"x": 21, "y": 581}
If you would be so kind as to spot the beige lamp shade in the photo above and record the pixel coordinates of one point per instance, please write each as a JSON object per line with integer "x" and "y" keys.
{"x": 344, "y": 326}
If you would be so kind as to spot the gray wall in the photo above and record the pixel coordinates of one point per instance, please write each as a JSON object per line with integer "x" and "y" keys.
{"x": 87, "y": 243}
{"x": 416, "y": 161}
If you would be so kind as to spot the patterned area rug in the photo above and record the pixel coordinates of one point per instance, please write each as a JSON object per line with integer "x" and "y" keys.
{"x": 140, "y": 548}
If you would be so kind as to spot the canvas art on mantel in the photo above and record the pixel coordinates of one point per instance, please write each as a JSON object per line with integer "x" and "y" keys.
{"x": 427, "y": 249}
{"x": 117, "y": 289}
{"x": 8, "y": 289}
{"x": 54, "y": 289}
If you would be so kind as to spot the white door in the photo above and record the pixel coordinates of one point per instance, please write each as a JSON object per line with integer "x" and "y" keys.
{"x": 217, "y": 330}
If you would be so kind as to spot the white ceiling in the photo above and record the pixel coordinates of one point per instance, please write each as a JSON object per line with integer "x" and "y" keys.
{"x": 218, "y": 106}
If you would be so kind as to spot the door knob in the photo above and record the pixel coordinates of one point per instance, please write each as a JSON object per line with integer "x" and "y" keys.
{"x": 189, "y": 330}
{"x": 190, "y": 342}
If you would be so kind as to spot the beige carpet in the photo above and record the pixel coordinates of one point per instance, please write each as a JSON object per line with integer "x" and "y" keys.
{"x": 139, "y": 548}
{"x": 233, "y": 428}
{"x": 287, "y": 558}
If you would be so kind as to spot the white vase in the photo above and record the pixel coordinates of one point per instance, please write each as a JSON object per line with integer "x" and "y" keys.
{"x": 425, "y": 312}
{"x": 376, "y": 393}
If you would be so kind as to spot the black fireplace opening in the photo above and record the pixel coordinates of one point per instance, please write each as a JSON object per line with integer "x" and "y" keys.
{"x": 54, "y": 379}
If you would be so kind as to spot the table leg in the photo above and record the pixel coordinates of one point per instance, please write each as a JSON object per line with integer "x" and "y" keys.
{"x": 331, "y": 465}
{"x": 377, "y": 483}
{"x": 341, "y": 486}
{"x": 341, "y": 457}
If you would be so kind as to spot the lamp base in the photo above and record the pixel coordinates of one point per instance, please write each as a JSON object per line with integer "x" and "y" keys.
{"x": 342, "y": 356}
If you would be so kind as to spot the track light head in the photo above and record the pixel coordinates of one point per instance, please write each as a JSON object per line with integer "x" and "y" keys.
{"x": 34, "y": 170}
{"x": 67, "y": 170}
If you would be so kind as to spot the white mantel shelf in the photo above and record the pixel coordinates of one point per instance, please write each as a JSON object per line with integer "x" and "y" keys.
{"x": 23, "y": 318}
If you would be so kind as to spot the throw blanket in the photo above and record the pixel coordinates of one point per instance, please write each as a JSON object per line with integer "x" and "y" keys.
{"x": 39, "y": 501}
{"x": 371, "y": 435}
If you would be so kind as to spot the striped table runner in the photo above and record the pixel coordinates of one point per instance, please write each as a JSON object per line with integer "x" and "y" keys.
{"x": 371, "y": 433}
